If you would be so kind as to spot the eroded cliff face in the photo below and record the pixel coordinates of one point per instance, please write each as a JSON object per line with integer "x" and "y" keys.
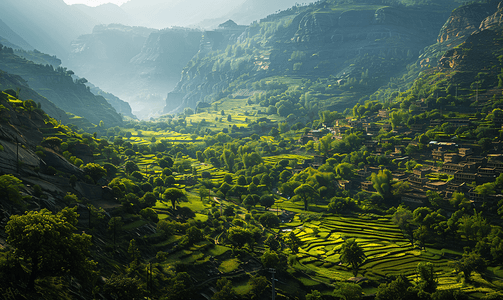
{"x": 477, "y": 57}
{"x": 464, "y": 21}
{"x": 320, "y": 41}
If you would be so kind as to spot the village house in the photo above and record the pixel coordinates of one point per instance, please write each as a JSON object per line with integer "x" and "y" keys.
{"x": 414, "y": 199}
{"x": 461, "y": 167}
{"x": 383, "y": 114}
{"x": 367, "y": 186}
{"x": 451, "y": 158}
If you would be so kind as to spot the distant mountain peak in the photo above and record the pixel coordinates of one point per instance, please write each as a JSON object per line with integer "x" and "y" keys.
{"x": 228, "y": 24}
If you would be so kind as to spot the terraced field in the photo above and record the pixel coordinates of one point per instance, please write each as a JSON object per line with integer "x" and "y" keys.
{"x": 387, "y": 251}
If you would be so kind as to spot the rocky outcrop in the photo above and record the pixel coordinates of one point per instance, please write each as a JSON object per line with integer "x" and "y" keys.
{"x": 464, "y": 21}
{"x": 494, "y": 21}
{"x": 321, "y": 40}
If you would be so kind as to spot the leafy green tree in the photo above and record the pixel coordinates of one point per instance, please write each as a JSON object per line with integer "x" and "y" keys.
{"x": 259, "y": 285}
{"x": 52, "y": 142}
{"x": 267, "y": 200}
{"x": 293, "y": 242}
{"x": 352, "y": 254}
{"x": 123, "y": 287}
{"x": 269, "y": 220}
{"x": 95, "y": 171}
{"x": 9, "y": 188}
{"x": 272, "y": 259}
{"x": 115, "y": 226}
{"x": 324, "y": 145}
{"x": 428, "y": 280}
{"x": 348, "y": 291}
{"x": 474, "y": 227}
{"x": 398, "y": 289}
{"x": 48, "y": 244}
{"x": 225, "y": 290}
{"x": 239, "y": 236}
{"x": 174, "y": 195}
{"x": 273, "y": 242}
{"x": 179, "y": 287}
{"x": 134, "y": 252}
{"x": 470, "y": 262}
{"x": 382, "y": 182}
{"x": 203, "y": 193}
{"x": 306, "y": 193}
{"x": 131, "y": 167}
{"x": 314, "y": 295}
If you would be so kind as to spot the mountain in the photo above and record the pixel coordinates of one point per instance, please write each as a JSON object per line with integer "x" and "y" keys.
{"x": 106, "y": 13}
{"x": 350, "y": 48}
{"x": 47, "y": 25}
{"x": 14, "y": 82}
{"x": 11, "y": 39}
{"x": 57, "y": 85}
{"x": 250, "y": 11}
{"x": 138, "y": 64}
{"x": 161, "y": 14}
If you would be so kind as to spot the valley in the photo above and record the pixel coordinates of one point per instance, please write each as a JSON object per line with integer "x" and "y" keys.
{"x": 331, "y": 150}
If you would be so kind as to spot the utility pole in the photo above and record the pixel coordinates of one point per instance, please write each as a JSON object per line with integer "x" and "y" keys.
{"x": 273, "y": 271}
{"x": 17, "y": 155}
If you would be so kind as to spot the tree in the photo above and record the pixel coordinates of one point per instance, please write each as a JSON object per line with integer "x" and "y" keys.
{"x": 403, "y": 219}
{"x": 95, "y": 171}
{"x": 269, "y": 220}
{"x": 267, "y": 200}
{"x": 382, "y": 182}
{"x": 131, "y": 167}
{"x": 314, "y": 295}
{"x": 174, "y": 195}
{"x": 115, "y": 225}
{"x": 9, "y": 188}
{"x": 271, "y": 259}
{"x": 306, "y": 193}
{"x": 123, "y": 287}
{"x": 293, "y": 242}
{"x": 398, "y": 289}
{"x": 428, "y": 281}
{"x": 203, "y": 193}
{"x": 239, "y": 236}
{"x": 471, "y": 261}
{"x": 324, "y": 145}
{"x": 348, "y": 291}
{"x": 225, "y": 290}
{"x": 133, "y": 252}
{"x": 352, "y": 254}
{"x": 48, "y": 244}
{"x": 259, "y": 284}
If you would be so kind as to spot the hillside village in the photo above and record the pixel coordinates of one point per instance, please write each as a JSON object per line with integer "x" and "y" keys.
{"x": 446, "y": 165}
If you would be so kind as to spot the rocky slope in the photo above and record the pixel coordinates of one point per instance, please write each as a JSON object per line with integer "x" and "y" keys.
{"x": 362, "y": 42}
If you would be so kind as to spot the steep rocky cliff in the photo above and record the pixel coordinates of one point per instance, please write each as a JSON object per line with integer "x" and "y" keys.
{"x": 479, "y": 57}
{"x": 360, "y": 42}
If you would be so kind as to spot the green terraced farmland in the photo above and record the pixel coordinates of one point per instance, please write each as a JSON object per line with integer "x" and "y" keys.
{"x": 387, "y": 251}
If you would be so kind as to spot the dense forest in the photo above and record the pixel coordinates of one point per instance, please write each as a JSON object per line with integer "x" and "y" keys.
{"x": 275, "y": 176}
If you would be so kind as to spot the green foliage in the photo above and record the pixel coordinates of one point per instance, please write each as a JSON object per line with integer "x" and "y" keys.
{"x": 10, "y": 186}
{"x": 95, "y": 171}
{"x": 47, "y": 242}
{"x": 174, "y": 195}
{"x": 352, "y": 254}
{"x": 269, "y": 220}
{"x": 123, "y": 287}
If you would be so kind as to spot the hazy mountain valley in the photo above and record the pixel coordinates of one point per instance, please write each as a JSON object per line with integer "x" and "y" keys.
{"x": 341, "y": 149}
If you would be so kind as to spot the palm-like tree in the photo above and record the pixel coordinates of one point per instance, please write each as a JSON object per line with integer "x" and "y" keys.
{"x": 352, "y": 254}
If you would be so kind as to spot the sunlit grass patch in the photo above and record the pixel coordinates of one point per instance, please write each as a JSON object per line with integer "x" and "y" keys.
{"x": 229, "y": 265}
